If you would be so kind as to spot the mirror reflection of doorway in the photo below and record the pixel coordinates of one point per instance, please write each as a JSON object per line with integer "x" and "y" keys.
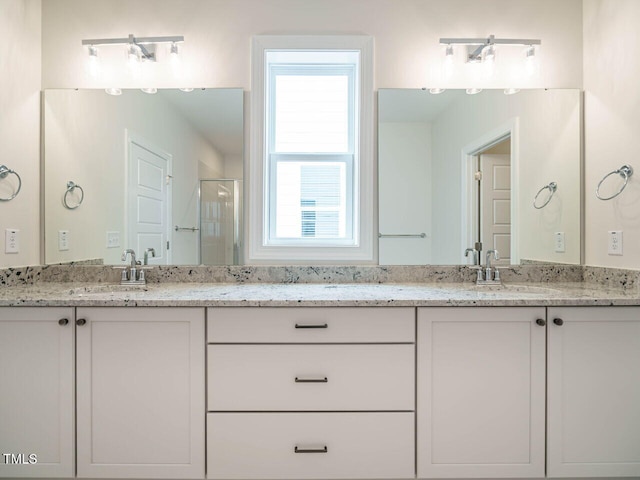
{"x": 492, "y": 206}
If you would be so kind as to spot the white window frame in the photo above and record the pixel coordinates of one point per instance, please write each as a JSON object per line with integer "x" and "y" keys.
{"x": 361, "y": 251}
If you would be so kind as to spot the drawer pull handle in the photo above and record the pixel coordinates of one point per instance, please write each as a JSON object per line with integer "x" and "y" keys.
{"x": 310, "y": 450}
{"x": 312, "y": 325}
{"x": 312, "y": 380}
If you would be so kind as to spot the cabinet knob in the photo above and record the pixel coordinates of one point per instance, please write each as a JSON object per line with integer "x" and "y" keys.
{"x": 541, "y": 322}
{"x": 558, "y": 321}
{"x": 63, "y": 321}
{"x": 81, "y": 321}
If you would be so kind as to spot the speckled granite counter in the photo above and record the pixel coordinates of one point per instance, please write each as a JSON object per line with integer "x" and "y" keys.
{"x": 318, "y": 294}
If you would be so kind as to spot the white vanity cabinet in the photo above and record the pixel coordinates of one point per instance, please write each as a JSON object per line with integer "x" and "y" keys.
{"x": 36, "y": 392}
{"x": 299, "y": 393}
{"x": 593, "y": 423}
{"x": 481, "y": 392}
{"x": 140, "y": 392}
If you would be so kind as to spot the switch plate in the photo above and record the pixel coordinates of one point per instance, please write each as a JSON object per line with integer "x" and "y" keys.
{"x": 63, "y": 240}
{"x": 615, "y": 242}
{"x": 113, "y": 239}
{"x": 11, "y": 240}
{"x": 558, "y": 242}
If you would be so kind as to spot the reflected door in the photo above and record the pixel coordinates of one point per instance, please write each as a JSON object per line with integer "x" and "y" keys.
{"x": 149, "y": 194}
{"x": 495, "y": 205}
{"x": 220, "y": 222}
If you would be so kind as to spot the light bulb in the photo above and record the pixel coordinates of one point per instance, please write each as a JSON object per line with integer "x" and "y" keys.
{"x": 186, "y": 90}
{"x": 473, "y": 91}
{"x": 436, "y": 91}
{"x": 93, "y": 65}
{"x": 511, "y": 91}
{"x": 530, "y": 62}
{"x": 113, "y": 91}
{"x": 489, "y": 54}
{"x": 447, "y": 67}
{"x": 150, "y": 90}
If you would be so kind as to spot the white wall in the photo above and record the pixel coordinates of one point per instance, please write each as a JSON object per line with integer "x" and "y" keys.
{"x": 404, "y": 192}
{"x": 549, "y": 150}
{"x": 85, "y": 143}
{"x": 20, "y": 126}
{"x": 612, "y": 126}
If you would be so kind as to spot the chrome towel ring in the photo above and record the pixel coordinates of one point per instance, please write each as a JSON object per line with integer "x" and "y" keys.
{"x": 71, "y": 186}
{"x": 625, "y": 172}
{"x": 552, "y": 187}
{"x": 4, "y": 172}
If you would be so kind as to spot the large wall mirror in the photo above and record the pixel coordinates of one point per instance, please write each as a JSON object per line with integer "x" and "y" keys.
{"x": 484, "y": 171}
{"x": 159, "y": 173}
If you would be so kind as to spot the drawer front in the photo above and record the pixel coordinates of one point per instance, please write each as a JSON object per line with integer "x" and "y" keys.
{"x": 311, "y": 325}
{"x": 310, "y": 377}
{"x": 310, "y": 445}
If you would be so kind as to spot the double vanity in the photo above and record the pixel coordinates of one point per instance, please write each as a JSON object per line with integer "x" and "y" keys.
{"x": 319, "y": 380}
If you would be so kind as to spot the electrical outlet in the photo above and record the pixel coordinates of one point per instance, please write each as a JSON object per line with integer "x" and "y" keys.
{"x": 615, "y": 242}
{"x": 559, "y": 242}
{"x": 63, "y": 240}
{"x": 11, "y": 240}
{"x": 113, "y": 239}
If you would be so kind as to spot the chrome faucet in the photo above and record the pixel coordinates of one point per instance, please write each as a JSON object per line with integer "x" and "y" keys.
{"x": 148, "y": 251}
{"x": 131, "y": 277}
{"x": 475, "y": 254}
{"x": 489, "y": 275}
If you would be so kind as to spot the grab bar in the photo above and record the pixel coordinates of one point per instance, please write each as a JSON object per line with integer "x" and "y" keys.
{"x": 402, "y": 235}
{"x": 4, "y": 172}
{"x": 624, "y": 171}
{"x": 552, "y": 187}
{"x": 71, "y": 186}
{"x": 190, "y": 229}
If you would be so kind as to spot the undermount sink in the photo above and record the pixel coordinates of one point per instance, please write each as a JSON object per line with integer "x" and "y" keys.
{"x": 107, "y": 288}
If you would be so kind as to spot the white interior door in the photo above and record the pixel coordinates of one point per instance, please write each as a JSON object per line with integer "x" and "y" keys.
{"x": 149, "y": 200}
{"x": 495, "y": 205}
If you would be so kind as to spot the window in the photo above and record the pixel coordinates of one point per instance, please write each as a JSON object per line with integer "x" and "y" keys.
{"x": 315, "y": 178}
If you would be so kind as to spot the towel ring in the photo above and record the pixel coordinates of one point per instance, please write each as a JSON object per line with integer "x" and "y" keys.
{"x": 71, "y": 186}
{"x": 624, "y": 171}
{"x": 4, "y": 172}
{"x": 552, "y": 187}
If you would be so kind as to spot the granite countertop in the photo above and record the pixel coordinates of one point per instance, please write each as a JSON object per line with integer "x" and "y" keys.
{"x": 315, "y": 294}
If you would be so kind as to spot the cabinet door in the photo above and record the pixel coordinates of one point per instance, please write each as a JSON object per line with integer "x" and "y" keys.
{"x": 140, "y": 383}
{"x": 594, "y": 392}
{"x": 481, "y": 392}
{"x": 36, "y": 392}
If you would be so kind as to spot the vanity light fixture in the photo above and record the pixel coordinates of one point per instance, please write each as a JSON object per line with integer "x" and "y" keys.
{"x": 473, "y": 91}
{"x": 436, "y": 91}
{"x": 484, "y": 49}
{"x": 113, "y": 91}
{"x": 150, "y": 90}
{"x": 511, "y": 91}
{"x": 138, "y": 49}
{"x": 186, "y": 90}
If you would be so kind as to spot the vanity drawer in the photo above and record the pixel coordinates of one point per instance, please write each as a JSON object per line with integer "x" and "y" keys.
{"x": 311, "y": 324}
{"x": 328, "y": 445}
{"x": 310, "y": 377}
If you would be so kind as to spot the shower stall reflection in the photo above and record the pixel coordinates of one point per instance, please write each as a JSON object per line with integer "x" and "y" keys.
{"x": 220, "y": 222}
